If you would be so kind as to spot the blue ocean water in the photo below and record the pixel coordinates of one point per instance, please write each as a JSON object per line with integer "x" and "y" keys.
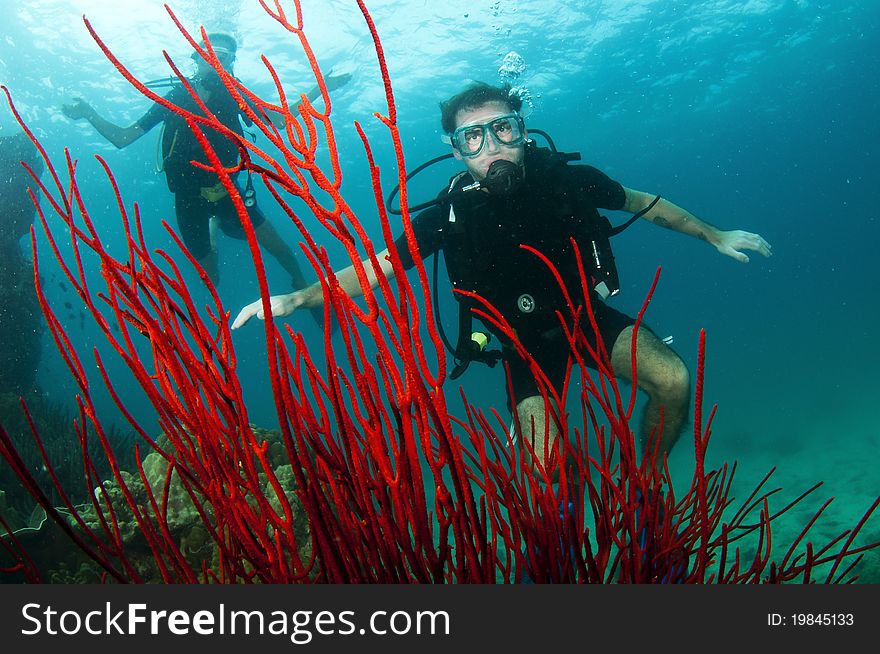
{"x": 756, "y": 115}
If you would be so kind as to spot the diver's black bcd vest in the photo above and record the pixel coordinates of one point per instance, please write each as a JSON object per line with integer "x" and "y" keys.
{"x": 482, "y": 235}
{"x": 180, "y": 146}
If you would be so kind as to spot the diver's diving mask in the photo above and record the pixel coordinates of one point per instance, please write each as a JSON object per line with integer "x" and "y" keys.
{"x": 224, "y": 56}
{"x": 508, "y": 130}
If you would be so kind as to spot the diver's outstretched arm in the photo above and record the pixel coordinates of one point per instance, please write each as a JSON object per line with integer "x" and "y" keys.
{"x": 118, "y": 136}
{"x": 312, "y": 296}
{"x": 669, "y": 215}
{"x": 332, "y": 83}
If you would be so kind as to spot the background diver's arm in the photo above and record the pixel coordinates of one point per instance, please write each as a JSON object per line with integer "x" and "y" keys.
{"x": 312, "y": 296}
{"x": 669, "y": 215}
{"x": 118, "y": 136}
{"x": 332, "y": 82}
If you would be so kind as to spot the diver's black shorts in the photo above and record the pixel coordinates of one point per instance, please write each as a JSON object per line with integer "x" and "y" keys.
{"x": 193, "y": 219}
{"x": 551, "y": 352}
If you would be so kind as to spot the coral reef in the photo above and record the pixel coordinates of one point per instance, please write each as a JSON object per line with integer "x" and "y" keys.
{"x": 50, "y": 550}
{"x": 60, "y": 445}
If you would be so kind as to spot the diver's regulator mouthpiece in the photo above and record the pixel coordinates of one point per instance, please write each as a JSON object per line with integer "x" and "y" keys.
{"x": 502, "y": 179}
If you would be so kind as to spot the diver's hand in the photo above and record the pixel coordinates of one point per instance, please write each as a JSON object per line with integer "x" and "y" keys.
{"x": 77, "y": 109}
{"x": 730, "y": 243}
{"x": 333, "y": 82}
{"x": 282, "y": 305}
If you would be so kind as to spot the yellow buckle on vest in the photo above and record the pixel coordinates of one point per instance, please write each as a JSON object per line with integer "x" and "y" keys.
{"x": 213, "y": 193}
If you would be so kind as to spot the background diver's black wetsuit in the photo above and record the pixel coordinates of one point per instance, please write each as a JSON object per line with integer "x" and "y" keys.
{"x": 482, "y": 254}
{"x": 179, "y": 148}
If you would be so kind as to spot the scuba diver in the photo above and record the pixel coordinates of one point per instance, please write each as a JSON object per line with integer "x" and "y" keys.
{"x": 199, "y": 196}
{"x": 514, "y": 193}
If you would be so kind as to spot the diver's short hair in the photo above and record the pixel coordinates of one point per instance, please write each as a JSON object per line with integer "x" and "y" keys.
{"x": 476, "y": 95}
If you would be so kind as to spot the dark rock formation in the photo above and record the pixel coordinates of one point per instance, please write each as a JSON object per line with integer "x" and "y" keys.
{"x": 21, "y": 323}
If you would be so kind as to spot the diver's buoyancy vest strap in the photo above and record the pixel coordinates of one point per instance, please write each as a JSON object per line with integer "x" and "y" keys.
{"x": 457, "y": 248}
{"x": 452, "y": 184}
{"x": 462, "y": 347}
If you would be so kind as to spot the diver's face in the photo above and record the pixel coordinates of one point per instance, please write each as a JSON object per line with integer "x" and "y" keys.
{"x": 205, "y": 70}
{"x": 493, "y": 149}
